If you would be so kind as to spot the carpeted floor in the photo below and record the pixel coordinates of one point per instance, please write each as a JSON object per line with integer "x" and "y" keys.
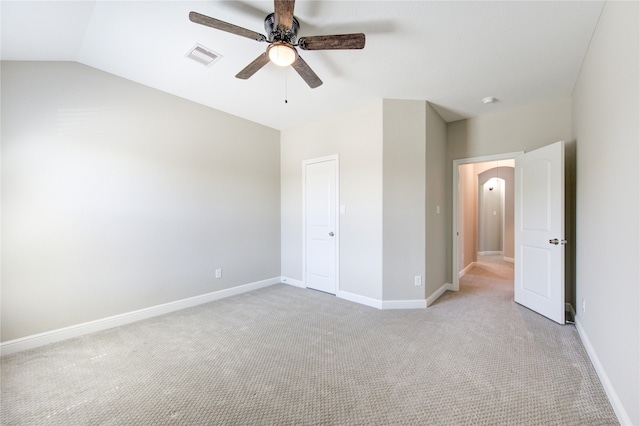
{"x": 283, "y": 355}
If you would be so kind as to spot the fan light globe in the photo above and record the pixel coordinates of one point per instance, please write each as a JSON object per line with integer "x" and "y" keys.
{"x": 282, "y": 54}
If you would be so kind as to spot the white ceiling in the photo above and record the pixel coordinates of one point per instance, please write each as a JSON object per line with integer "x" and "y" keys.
{"x": 452, "y": 54}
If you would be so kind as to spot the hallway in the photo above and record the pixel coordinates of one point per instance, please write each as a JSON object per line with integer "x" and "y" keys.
{"x": 492, "y": 276}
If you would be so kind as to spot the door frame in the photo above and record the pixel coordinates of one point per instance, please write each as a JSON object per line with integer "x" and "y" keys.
{"x": 336, "y": 158}
{"x": 456, "y": 194}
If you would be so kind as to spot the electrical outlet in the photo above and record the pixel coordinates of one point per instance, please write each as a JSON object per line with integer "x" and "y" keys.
{"x": 418, "y": 280}
{"x": 584, "y": 306}
{"x": 218, "y": 273}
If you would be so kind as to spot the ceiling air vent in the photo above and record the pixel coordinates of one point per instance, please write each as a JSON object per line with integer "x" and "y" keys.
{"x": 204, "y": 55}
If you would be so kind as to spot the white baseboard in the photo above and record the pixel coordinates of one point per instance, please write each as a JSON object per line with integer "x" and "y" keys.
{"x": 404, "y": 304}
{"x": 618, "y": 408}
{"x": 291, "y": 281}
{"x": 439, "y": 292}
{"x": 41, "y": 339}
{"x": 382, "y": 304}
{"x": 466, "y": 269}
{"x": 490, "y": 253}
{"x": 363, "y": 300}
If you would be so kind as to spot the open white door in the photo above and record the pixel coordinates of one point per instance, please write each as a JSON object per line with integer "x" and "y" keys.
{"x": 320, "y": 220}
{"x": 539, "y": 233}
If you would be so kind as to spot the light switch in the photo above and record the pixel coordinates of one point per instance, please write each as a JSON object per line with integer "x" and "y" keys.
{"x": 343, "y": 209}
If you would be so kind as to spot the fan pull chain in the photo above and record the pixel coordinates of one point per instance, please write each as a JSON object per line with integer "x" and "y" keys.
{"x": 286, "y": 101}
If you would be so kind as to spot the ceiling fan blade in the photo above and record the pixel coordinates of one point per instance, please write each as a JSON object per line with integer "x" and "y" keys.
{"x": 283, "y": 14}
{"x": 330, "y": 42}
{"x": 225, "y": 26}
{"x": 306, "y": 73}
{"x": 253, "y": 67}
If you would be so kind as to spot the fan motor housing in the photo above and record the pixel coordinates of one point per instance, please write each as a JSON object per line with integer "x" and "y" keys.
{"x": 273, "y": 34}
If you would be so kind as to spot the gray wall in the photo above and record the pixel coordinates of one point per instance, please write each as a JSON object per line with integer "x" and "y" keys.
{"x": 437, "y": 209}
{"x": 391, "y": 171}
{"x": 118, "y": 197}
{"x": 404, "y": 180}
{"x": 606, "y": 124}
{"x": 356, "y": 136}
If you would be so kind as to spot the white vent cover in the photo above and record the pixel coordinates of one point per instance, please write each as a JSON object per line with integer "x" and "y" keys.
{"x": 204, "y": 55}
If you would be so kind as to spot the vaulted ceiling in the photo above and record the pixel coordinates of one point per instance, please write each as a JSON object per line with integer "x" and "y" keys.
{"x": 452, "y": 54}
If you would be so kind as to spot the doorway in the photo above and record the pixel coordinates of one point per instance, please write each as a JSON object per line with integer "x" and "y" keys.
{"x": 483, "y": 206}
{"x": 495, "y": 211}
{"x": 539, "y": 208}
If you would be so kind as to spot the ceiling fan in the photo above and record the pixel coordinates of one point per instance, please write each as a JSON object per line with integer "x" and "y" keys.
{"x": 282, "y": 28}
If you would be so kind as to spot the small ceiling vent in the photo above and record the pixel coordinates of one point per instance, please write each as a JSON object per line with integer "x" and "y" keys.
{"x": 203, "y": 55}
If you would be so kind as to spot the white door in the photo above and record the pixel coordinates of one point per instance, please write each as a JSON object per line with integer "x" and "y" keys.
{"x": 539, "y": 233}
{"x": 320, "y": 219}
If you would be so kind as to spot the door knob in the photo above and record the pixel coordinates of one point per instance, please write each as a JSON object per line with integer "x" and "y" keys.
{"x": 556, "y": 241}
{"x": 331, "y": 234}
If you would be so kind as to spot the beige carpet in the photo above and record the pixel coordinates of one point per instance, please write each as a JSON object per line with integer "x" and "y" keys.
{"x": 283, "y": 355}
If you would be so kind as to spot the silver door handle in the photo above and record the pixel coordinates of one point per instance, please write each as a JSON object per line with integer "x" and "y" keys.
{"x": 331, "y": 234}
{"x": 556, "y": 241}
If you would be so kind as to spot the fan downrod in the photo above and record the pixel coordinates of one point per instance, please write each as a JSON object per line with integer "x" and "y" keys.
{"x": 277, "y": 34}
